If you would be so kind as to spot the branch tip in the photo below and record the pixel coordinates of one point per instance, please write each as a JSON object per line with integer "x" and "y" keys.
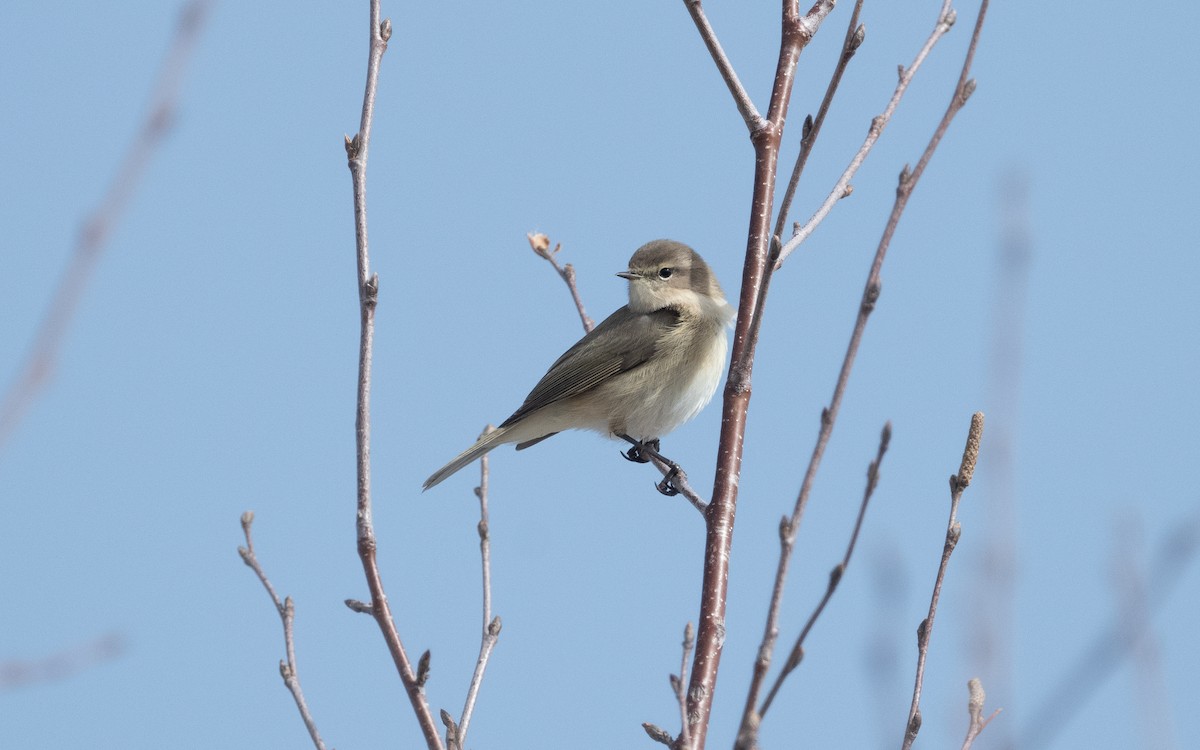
{"x": 658, "y": 734}
{"x": 975, "y": 699}
{"x": 423, "y": 668}
{"x": 971, "y": 451}
{"x": 539, "y": 243}
{"x": 860, "y": 35}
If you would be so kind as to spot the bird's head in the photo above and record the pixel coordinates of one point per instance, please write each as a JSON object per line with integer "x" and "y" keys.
{"x": 665, "y": 273}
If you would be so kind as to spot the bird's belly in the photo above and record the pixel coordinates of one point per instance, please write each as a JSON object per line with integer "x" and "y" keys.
{"x": 660, "y": 404}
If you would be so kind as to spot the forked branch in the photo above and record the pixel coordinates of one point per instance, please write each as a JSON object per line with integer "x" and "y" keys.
{"x": 368, "y": 295}
{"x": 870, "y": 296}
{"x": 796, "y": 32}
{"x": 287, "y": 615}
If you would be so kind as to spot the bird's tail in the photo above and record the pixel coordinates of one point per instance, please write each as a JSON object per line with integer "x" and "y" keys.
{"x": 482, "y": 446}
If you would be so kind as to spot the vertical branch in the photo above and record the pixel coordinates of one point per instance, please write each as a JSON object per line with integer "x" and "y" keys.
{"x": 491, "y": 626}
{"x": 796, "y": 32}
{"x": 689, "y": 641}
{"x": 958, "y": 483}
{"x": 368, "y": 292}
{"x": 855, "y": 34}
{"x": 97, "y": 227}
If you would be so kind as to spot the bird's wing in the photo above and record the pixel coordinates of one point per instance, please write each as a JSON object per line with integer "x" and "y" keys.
{"x": 622, "y": 342}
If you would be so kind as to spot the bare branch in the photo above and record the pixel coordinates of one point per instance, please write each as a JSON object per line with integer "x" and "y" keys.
{"x": 368, "y": 295}
{"x": 540, "y": 244}
{"x": 871, "y": 291}
{"x": 93, "y": 236}
{"x": 795, "y": 33}
{"x": 855, "y": 34}
{"x": 958, "y": 483}
{"x": 491, "y": 626}
{"x": 754, "y": 120}
{"x": 287, "y": 614}
{"x": 680, "y": 482}
{"x": 835, "y": 577}
{"x": 842, "y": 188}
{"x": 679, "y": 683}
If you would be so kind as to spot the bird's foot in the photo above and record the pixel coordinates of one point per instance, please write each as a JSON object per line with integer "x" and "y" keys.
{"x": 667, "y": 485}
{"x": 641, "y": 451}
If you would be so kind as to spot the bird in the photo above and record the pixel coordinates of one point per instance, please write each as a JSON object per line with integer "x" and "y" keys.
{"x": 646, "y": 369}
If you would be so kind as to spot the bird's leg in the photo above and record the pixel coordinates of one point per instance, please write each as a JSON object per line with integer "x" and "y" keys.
{"x": 644, "y": 450}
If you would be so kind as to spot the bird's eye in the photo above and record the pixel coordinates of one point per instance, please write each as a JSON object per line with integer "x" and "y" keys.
{"x": 665, "y": 273}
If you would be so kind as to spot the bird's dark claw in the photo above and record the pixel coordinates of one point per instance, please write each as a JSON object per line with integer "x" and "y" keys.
{"x": 667, "y": 485}
{"x": 640, "y": 452}
{"x": 634, "y": 454}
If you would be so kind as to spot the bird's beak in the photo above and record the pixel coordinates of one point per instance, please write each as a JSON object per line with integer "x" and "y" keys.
{"x": 627, "y": 275}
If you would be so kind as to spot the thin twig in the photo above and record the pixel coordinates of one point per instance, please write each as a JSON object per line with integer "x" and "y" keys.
{"x": 835, "y": 575}
{"x": 680, "y": 482}
{"x": 368, "y": 294}
{"x": 975, "y": 698}
{"x": 841, "y": 188}
{"x": 958, "y": 483}
{"x": 680, "y": 684}
{"x": 855, "y": 34}
{"x": 287, "y": 614}
{"x": 89, "y": 245}
{"x": 491, "y": 626}
{"x": 745, "y": 105}
{"x": 871, "y": 291}
{"x": 541, "y": 245}
{"x": 796, "y": 32}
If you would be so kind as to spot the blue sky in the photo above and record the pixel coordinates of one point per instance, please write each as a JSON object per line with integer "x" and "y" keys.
{"x": 211, "y": 368}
